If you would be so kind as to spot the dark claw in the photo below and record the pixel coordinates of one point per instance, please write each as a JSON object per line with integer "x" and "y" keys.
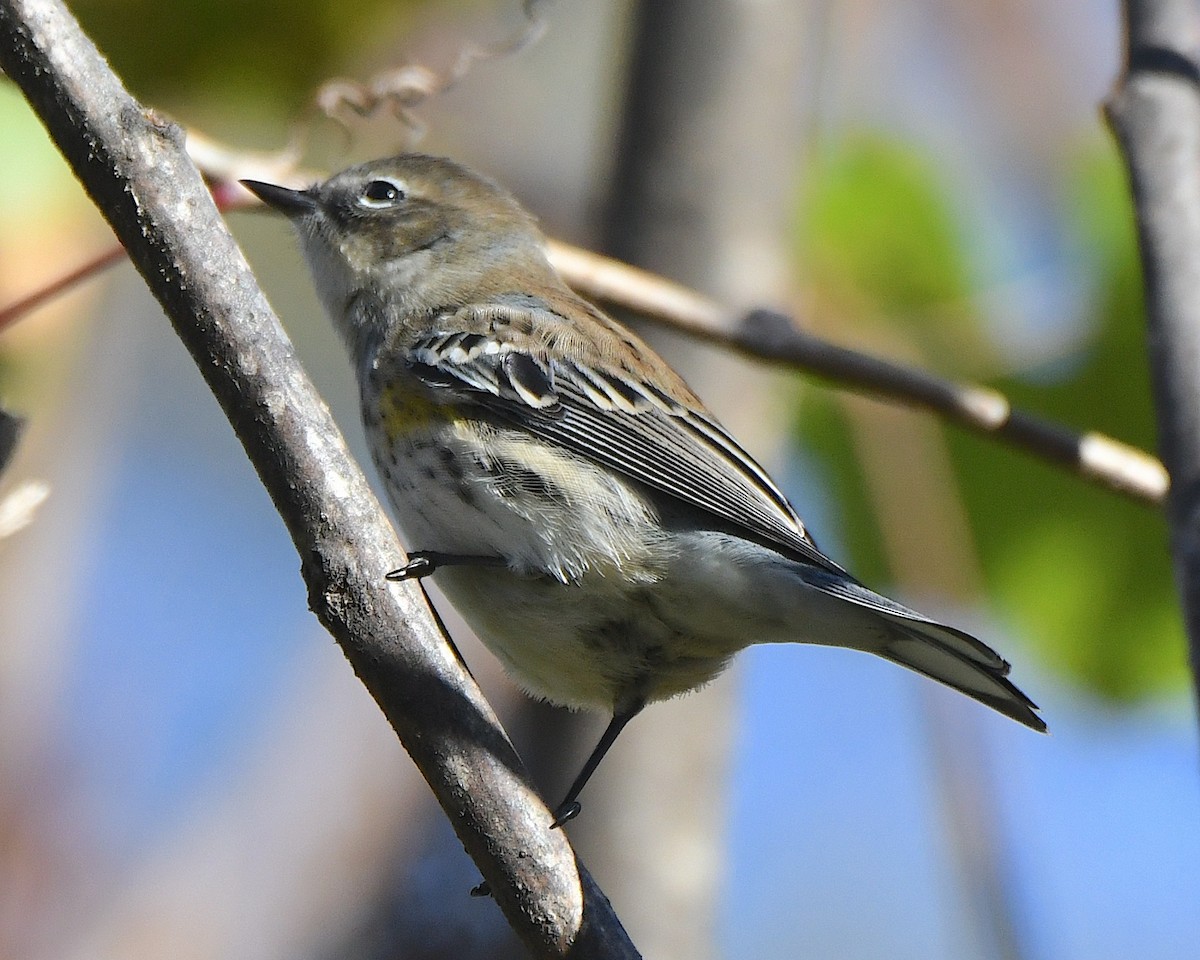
{"x": 566, "y": 813}
{"x": 569, "y": 809}
{"x": 420, "y": 564}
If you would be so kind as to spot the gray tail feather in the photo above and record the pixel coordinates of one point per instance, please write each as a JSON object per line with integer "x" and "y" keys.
{"x": 941, "y": 653}
{"x": 952, "y": 657}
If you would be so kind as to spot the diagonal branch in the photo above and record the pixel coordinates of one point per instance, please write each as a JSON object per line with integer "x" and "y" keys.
{"x": 134, "y": 166}
{"x": 1155, "y": 114}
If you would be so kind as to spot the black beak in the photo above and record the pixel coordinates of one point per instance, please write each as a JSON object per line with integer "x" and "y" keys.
{"x": 289, "y": 202}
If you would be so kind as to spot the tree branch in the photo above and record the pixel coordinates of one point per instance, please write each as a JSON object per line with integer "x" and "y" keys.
{"x": 1155, "y": 114}
{"x": 134, "y": 166}
{"x": 776, "y": 338}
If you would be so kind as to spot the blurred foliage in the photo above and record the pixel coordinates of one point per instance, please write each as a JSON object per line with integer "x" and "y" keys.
{"x": 267, "y": 57}
{"x": 878, "y": 224}
{"x": 1082, "y": 573}
{"x": 882, "y": 242}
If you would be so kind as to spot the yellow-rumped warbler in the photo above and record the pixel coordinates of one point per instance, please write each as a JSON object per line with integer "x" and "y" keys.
{"x": 586, "y": 514}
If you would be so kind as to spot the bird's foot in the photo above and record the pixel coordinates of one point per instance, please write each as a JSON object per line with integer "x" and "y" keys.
{"x": 567, "y": 812}
{"x": 421, "y": 563}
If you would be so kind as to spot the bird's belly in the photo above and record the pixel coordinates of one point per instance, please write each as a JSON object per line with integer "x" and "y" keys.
{"x": 600, "y": 642}
{"x": 575, "y": 613}
{"x": 598, "y": 604}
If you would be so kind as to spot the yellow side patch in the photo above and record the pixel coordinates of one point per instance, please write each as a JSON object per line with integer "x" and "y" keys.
{"x": 403, "y": 410}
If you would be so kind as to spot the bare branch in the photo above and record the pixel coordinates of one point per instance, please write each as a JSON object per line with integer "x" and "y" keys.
{"x": 1155, "y": 114}
{"x": 134, "y": 166}
{"x": 85, "y": 271}
{"x": 765, "y": 335}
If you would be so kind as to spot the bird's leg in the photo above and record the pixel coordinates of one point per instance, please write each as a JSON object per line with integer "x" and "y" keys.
{"x": 421, "y": 563}
{"x": 569, "y": 808}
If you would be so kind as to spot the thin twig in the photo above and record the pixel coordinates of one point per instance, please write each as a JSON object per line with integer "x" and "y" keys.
{"x": 137, "y": 172}
{"x": 64, "y": 284}
{"x": 405, "y": 88}
{"x": 774, "y": 337}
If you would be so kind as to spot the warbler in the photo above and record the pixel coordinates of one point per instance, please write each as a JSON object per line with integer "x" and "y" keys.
{"x": 602, "y": 533}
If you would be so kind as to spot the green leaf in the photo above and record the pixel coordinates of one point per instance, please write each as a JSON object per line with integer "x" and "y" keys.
{"x": 878, "y": 234}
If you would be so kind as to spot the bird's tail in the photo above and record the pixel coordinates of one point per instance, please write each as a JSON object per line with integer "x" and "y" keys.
{"x": 960, "y": 661}
{"x": 941, "y": 653}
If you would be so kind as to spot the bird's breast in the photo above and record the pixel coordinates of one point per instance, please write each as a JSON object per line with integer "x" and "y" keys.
{"x": 463, "y": 485}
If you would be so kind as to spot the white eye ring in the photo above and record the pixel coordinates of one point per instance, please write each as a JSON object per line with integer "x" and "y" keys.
{"x": 381, "y": 193}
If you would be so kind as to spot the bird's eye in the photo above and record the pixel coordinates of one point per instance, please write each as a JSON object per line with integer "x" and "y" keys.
{"x": 381, "y": 193}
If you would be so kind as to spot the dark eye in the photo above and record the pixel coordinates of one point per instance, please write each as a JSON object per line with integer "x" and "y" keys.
{"x": 381, "y": 193}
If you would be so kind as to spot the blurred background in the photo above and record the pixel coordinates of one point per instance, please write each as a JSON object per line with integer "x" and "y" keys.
{"x": 189, "y": 768}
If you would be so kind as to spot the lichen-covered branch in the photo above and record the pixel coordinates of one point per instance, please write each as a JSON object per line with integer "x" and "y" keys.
{"x": 134, "y": 166}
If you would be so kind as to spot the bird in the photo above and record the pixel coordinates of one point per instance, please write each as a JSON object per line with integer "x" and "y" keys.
{"x": 606, "y": 538}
